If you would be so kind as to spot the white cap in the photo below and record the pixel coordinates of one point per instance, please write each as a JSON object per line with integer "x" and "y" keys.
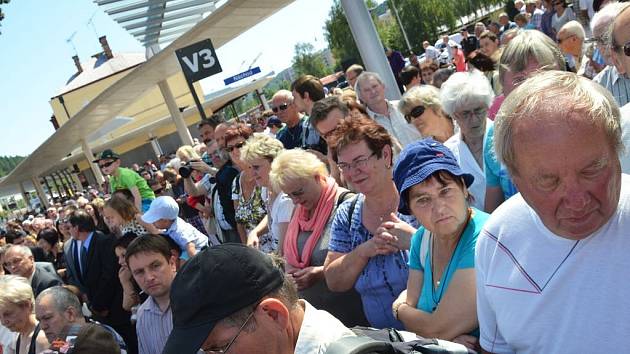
{"x": 161, "y": 208}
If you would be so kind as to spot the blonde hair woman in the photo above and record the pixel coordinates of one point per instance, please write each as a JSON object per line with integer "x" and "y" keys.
{"x": 304, "y": 178}
{"x": 17, "y": 314}
{"x": 421, "y": 107}
{"x": 259, "y": 152}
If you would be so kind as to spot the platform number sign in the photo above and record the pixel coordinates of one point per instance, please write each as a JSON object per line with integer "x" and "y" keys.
{"x": 198, "y": 60}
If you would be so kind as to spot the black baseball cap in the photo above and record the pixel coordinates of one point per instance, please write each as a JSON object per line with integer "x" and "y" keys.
{"x": 107, "y": 154}
{"x": 214, "y": 284}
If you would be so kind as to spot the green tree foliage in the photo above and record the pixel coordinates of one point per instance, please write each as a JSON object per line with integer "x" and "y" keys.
{"x": 422, "y": 20}
{"x": 8, "y": 163}
{"x": 306, "y": 61}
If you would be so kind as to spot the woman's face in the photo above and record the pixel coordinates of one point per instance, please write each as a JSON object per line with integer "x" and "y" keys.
{"x": 260, "y": 170}
{"x": 120, "y": 253}
{"x": 15, "y": 317}
{"x": 233, "y": 146}
{"x": 112, "y": 217}
{"x": 429, "y": 123}
{"x": 472, "y": 121}
{"x": 427, "y": 75}
{"x": 64, "y": 229}
{"x": 487, "y": 46}
{"x": 441, "y": 208}
{"x": 47, "y": 247}
{"x": 89, "y": 209}
{"x": 305, "y": 192}
{"x": 512, "y": 80}
{"x": 362, "y": 168}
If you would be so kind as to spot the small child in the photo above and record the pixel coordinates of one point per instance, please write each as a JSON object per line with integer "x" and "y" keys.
{"x": 163, "y": 214}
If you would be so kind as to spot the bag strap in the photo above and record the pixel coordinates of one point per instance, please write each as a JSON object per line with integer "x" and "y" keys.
{"x": 351, "y": 209}
{"x": 344, "y": 196}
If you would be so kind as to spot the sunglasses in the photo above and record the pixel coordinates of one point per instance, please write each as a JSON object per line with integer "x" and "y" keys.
{"x": 106, "y": 164}
{"x": 415, "y": 113}
{"x": 623, "y": 48}
{"x": 282, "y": 107}
{"x": 237, "y": 146}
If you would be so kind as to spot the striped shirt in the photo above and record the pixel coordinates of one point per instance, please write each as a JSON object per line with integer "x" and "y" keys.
{"x": 616, "y": 83}
{"x": 153, "y": 327}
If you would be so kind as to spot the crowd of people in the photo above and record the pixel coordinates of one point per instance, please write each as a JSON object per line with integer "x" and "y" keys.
{"x": 488, "y": 208}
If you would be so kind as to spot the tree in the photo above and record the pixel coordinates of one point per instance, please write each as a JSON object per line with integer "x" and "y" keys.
{"x": 308, "y": 62}
{"x": 8, "y": 163}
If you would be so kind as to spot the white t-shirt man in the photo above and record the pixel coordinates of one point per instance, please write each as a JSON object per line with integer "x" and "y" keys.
{"x": 541, "y": 293}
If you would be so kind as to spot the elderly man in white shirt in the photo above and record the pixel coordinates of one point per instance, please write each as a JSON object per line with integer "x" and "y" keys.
{"x": 371, "y": 92}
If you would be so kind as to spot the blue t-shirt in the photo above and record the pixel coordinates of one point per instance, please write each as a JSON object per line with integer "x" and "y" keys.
{"x": 463, "y": 257}
{"x": 497, "y": 174}
{"x": 384, "y": 277}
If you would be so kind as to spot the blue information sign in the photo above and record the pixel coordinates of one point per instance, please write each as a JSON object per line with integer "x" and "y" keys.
{"x": 243, "y": 75}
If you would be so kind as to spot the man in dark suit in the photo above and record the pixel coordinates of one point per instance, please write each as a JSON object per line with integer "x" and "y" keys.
{"x": 19, "y": 261}
{"x": 93, "y": 267}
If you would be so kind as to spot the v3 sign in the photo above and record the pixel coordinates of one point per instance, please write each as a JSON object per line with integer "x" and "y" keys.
{"x": 198, "y": 60}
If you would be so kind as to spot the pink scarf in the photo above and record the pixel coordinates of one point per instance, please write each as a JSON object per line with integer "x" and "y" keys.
{"x": 316, "y": 224}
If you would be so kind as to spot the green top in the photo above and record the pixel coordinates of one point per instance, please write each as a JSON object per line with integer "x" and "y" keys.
{"x": 128, "y": 179}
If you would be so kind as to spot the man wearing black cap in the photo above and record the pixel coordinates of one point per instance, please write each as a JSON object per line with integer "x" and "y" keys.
{"x": 243, "y": 303}
{"x": 125, "y": 178}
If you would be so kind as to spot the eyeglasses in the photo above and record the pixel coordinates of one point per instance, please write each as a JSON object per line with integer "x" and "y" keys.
{"x": 282, "y": 107}
{"x": 227, "y": 347}
{"x": 623, "y": 48}
{"x": 237, "y": 146}
{"x": 358, "y": 163}
{"x": 328, "y": 134}
{"x": 415, "y": 113}
{"x": 476, "y": 113}
{"x": 106, "y": 164}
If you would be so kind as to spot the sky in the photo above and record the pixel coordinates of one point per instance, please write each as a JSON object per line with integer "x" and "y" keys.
{"x": 36, "y": 59}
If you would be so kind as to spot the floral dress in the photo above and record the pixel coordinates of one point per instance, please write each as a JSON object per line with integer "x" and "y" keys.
{"x": 250, "y": 211}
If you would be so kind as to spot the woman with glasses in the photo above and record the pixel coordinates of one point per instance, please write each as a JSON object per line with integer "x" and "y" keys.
{"x": 305, "y": 179}
{"x": 466, "y": 97}
{"x": 421, "y": 107}
{"x": 17, "y": 313}
{"x": 563, "y": 15}
{"x": 440, "y": 298}
{"x": 369, "y": 241}
{"x": 249, "y": 207}
{"x": 268, "y": 236}
{"x": 527, "y": 54}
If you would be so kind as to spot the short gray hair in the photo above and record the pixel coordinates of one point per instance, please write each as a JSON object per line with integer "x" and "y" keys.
{"x": 283, "y": 93}
{"x": 530, "y": 44}
{"x": 603, "y": 18}
{"x": 464, "y": 89}
{"x": 21, "y": 249}
{"x": 62, "y": 299}
{"x": 366, "y": 75}
{"x": 575, "y": 28}
{"x": 424, "y": 95}
{"x": 570, "y": 94}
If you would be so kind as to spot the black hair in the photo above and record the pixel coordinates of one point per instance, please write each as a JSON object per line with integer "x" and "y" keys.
{"x": 49, "y": 235}
{"x": 148, "y": 243}
{"x": 82, "y": 220}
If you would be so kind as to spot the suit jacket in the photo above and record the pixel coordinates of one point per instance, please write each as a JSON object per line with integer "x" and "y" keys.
{"x": 45, "y": 276}
{"x": 72, "y": 273}
{"x": 100, "y": 279}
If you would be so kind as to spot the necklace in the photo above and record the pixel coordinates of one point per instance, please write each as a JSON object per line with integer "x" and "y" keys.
{"x": 437, "y": 299}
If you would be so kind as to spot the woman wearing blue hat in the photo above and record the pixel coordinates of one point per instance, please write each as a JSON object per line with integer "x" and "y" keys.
{"x": 440, "y": 299}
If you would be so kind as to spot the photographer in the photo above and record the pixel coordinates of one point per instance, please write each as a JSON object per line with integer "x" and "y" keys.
{"x": 217, "y": 186}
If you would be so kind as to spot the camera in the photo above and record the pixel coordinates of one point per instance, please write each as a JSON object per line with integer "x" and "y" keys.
{"x": 186, "y": 169}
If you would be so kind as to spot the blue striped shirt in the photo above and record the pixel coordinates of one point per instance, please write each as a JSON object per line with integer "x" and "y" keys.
{"x": 616, "y": 83}
{"x": 153, "y": 327}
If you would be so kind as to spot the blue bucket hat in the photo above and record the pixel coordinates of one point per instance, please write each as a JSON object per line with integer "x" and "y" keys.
{"x": 418, "y": 161}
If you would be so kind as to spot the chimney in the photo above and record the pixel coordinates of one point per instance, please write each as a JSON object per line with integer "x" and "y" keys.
{"x": 105, "y": 45}
{"x": 77, "y": 63}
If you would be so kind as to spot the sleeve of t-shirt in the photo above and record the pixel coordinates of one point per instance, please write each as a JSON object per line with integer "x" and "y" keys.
{"x": 492, "y": 166}
{"x": 414, "y": 250}
{"x": 341, "y": 238}
{"x": 285, "y": 209}
{"x": 490, "y": 337}
{"x": 127, "y": 179}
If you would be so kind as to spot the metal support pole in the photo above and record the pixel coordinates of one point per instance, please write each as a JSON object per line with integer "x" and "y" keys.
{"x": 71, "y": 181}
{"x": 87, "y": 151}
{"x": 263, "y": 99}
{"x": 169, "y": 99}
{"x": 25, "y": 196}
{"x": 52, "y": 176}
{"x": 402, "y": 29}
{"x": 43, "y": 199}
{"x": 369, "y": 44}
{"x": 155, "y": 144}
{"x": 234, "y": 110}
{"x": 65, "y": 183}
